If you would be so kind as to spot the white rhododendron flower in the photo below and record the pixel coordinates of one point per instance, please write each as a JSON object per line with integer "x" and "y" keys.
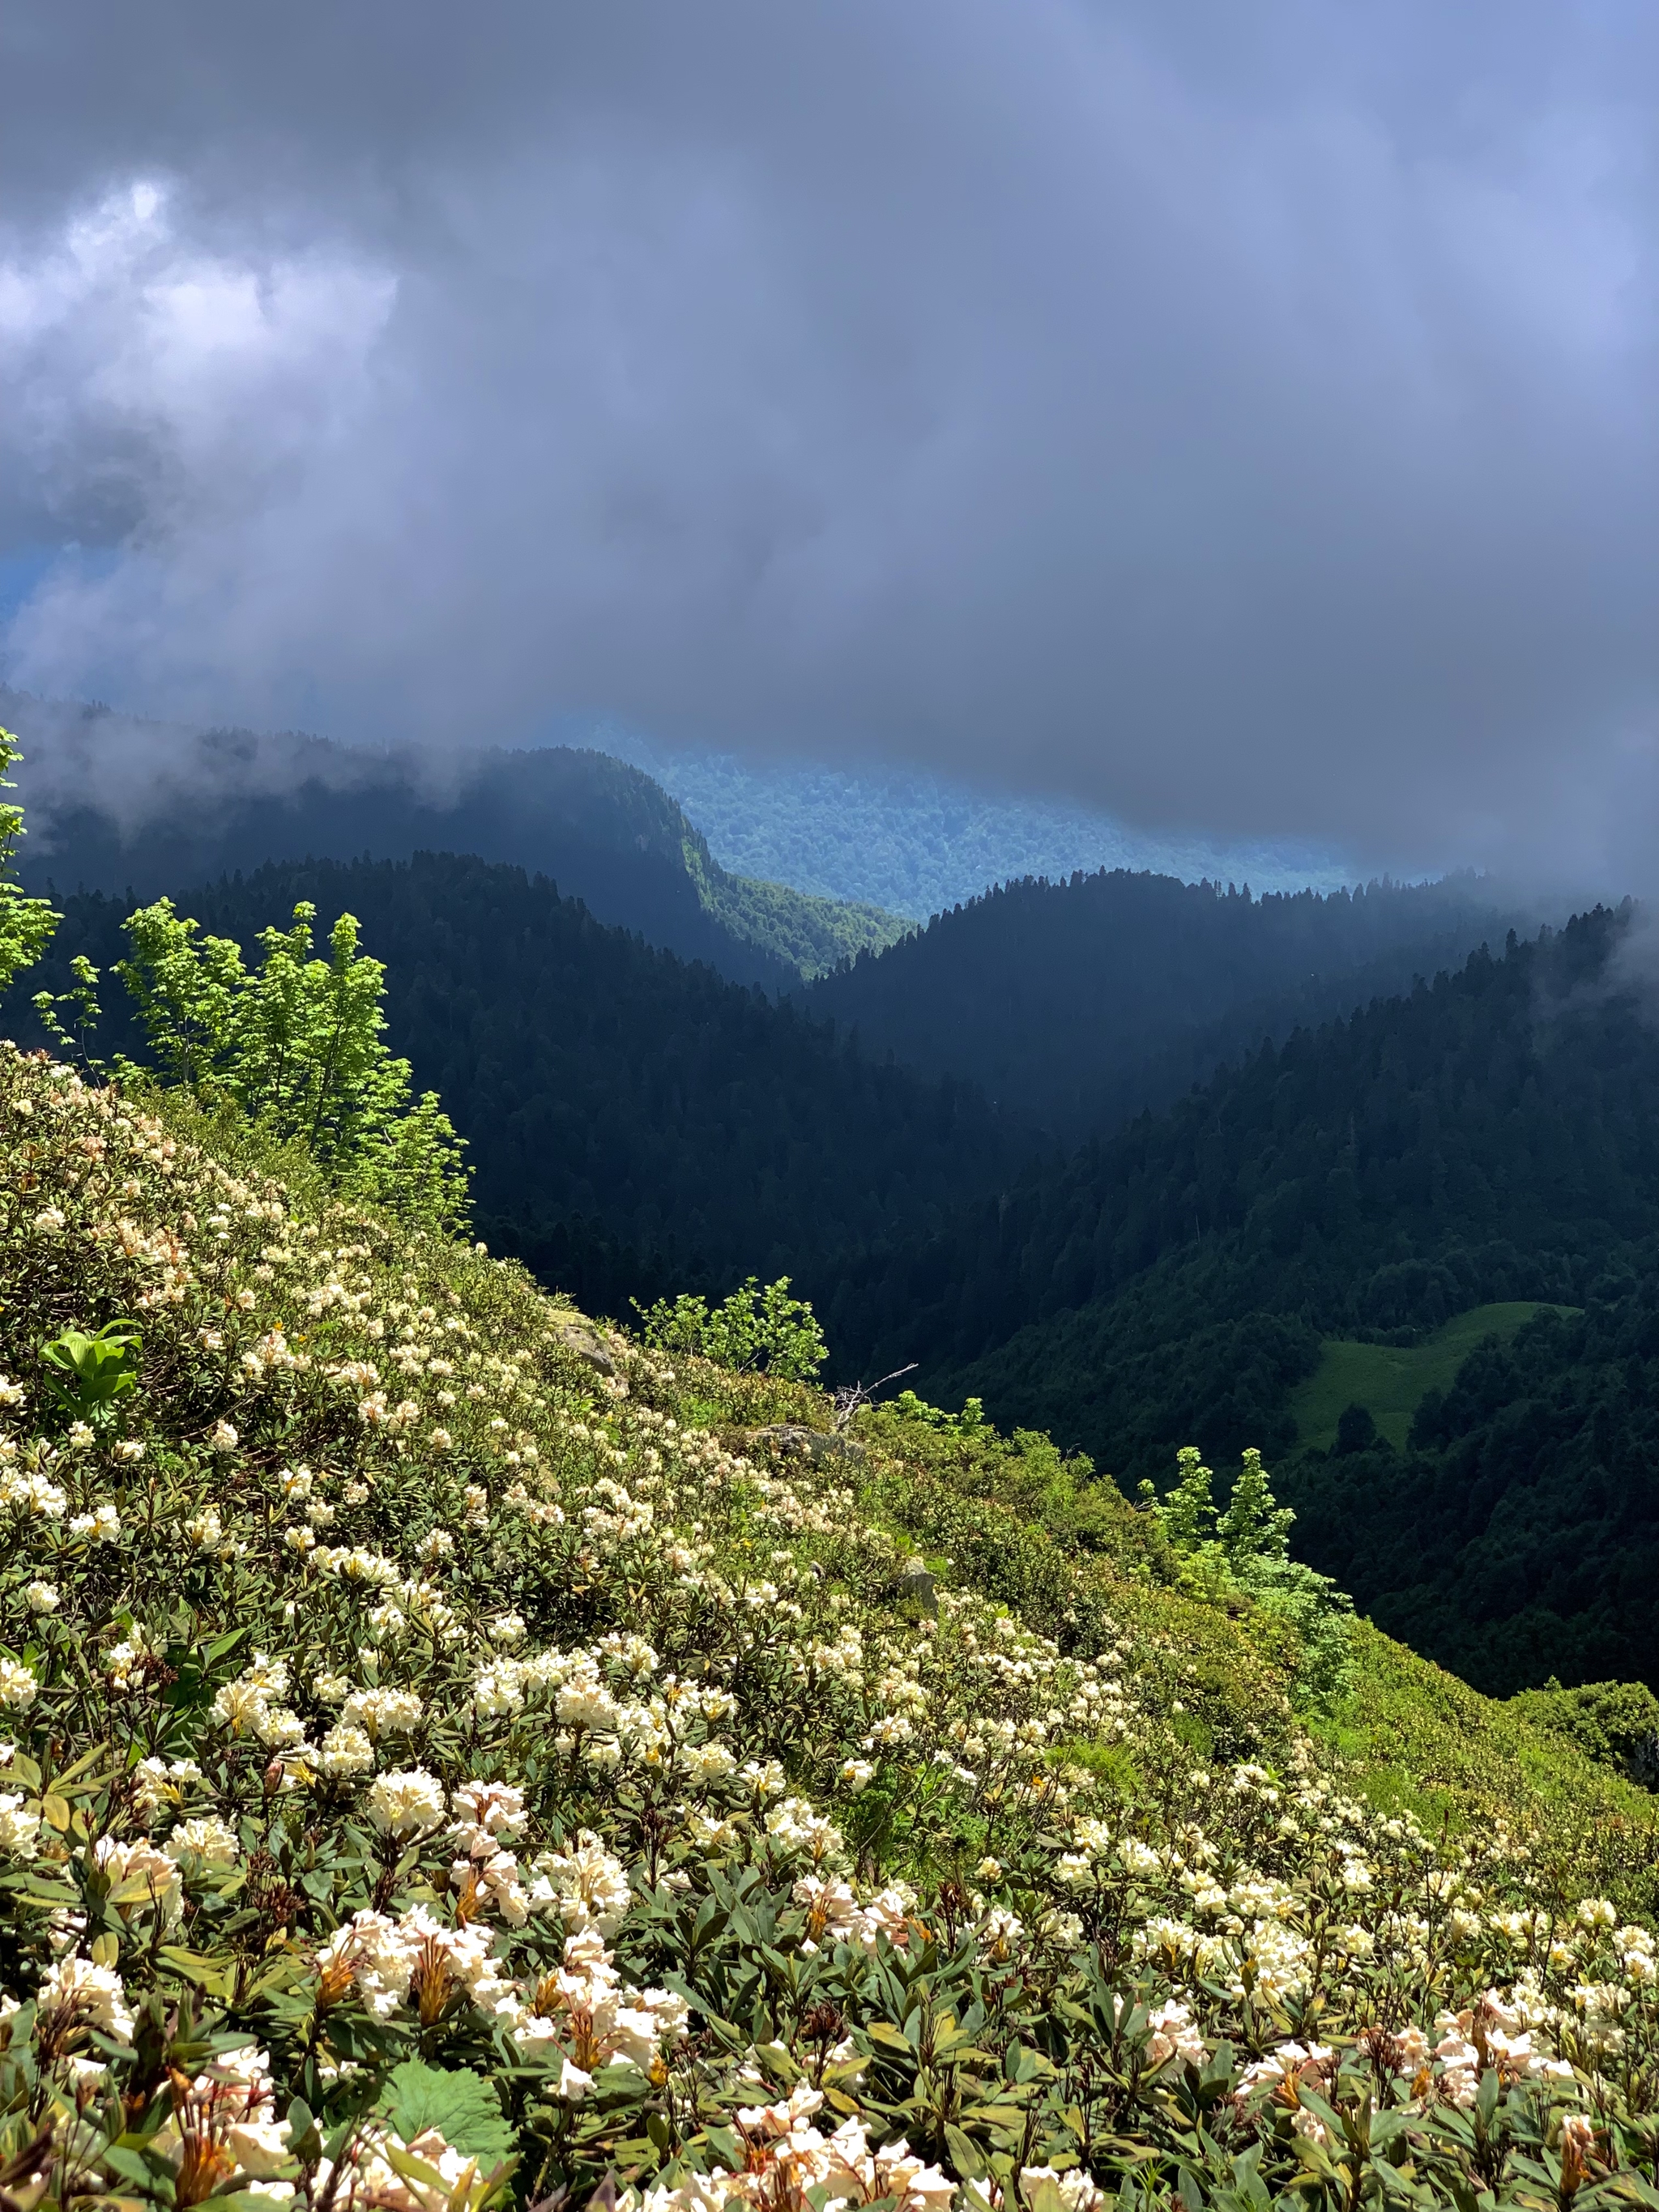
{"x": 410, "y": 1803}
{"x": 75, "y": 1987}
{"x": 587, "y": 1885}
{"x": 1043, "y": 2190}
{"x": 382, "y": 1713}
{"x": 207, "y": 1838}
{"x": 20, "y": 1826}
{"x": 345, "y": 1751}
{"x": 143, "y": 1879}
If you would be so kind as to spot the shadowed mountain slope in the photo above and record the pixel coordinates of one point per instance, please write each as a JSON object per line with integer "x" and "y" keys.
{"x": 1079, "y": 1003}
{"x": 1492, "y": 1138}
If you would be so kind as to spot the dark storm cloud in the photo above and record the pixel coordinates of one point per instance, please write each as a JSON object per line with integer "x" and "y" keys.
{"x": 1240, "y": 417}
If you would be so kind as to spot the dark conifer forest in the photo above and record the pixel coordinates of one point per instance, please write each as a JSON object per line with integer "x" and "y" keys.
{"x": 1489, "y": 1135}
{"x": 1078, "y": 1003}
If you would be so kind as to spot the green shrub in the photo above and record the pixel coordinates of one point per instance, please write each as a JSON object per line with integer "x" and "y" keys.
{"x": 754, "y": 1330}
{"x": 88, "y": 1375}
{"x": 1616, "y": 1723}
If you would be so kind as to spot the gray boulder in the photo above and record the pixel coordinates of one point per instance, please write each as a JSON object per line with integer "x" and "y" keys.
{"x": 582, "y": 1342}
{"x": 816, "y": 1446}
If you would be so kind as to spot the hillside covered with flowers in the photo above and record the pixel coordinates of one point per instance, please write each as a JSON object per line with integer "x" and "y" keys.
{"x": 458, "y": 1753}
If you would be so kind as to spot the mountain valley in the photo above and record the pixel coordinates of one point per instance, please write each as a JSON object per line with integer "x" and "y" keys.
{"x": 1133, "y": 1163}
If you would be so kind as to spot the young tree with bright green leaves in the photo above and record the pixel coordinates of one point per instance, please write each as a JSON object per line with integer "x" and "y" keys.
{"x": 26, "y": 923}
{"x": 1187, "y": 1514}
{"x": 1247, "y": 1548}
{"x": 1255, "y": 1526}
{"x": 297, "y": 1044}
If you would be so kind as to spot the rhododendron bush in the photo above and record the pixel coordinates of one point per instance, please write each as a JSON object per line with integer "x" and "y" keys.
{"x": 453, "y": 1754}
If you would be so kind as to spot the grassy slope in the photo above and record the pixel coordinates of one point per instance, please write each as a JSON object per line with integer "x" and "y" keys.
{"x": 1411, "y": 1733}
{"x": 1045, "y": 1536}
{"x": 1417, "y": 1736}
{"x": 1391, "y": 1381}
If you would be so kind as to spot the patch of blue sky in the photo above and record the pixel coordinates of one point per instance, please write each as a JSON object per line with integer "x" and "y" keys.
{"x": 23, "y": 569}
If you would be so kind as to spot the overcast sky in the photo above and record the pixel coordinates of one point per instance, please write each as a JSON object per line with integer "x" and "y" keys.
{"x": 1238, "y": 413}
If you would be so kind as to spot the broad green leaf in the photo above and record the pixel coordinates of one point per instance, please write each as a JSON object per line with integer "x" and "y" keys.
{"x": 463, "y": 2108}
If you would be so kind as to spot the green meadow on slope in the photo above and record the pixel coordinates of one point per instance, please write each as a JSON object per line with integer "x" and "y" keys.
{"x": 1391, "y": 1381}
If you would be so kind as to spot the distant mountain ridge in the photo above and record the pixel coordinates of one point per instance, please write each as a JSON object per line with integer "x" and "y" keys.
{"x": 918, "y": 843}
{"x": 116, "y": 803}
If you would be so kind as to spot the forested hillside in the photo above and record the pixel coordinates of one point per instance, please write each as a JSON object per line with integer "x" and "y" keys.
{"x": 1494, "y": 1136}
{"x": 1081, "y": 1002}
{"x": 636, "y": 1124}
{"x": 1491, "y": 1135}
{"x": 118, "y": 805}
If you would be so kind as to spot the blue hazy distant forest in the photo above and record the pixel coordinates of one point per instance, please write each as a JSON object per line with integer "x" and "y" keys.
{"x": 918, "y": 843}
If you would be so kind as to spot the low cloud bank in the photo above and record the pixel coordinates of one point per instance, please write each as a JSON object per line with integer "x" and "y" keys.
{"x": 1243, "y": 424}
